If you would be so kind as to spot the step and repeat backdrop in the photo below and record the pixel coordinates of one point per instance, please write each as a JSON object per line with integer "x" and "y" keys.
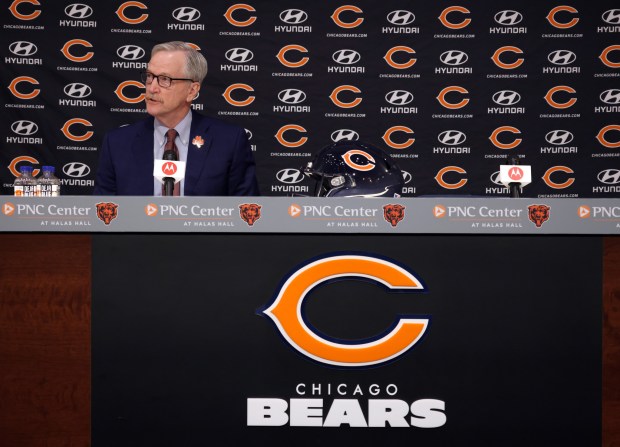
{"x": 450, "y": 88}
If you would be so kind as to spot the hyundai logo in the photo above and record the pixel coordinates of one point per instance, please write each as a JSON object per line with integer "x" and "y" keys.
{"x": 562, "y": 57}
{"x": 293, "y": 16}
{"x": 78, "y": 11}
{"x": 77, "y": 90}
{"x": 609, "y": 176}
{"x": 612, "y": 16}
{"x": 495, "y": 178}
{"x": 611, "y": 96}
{"x": 76, "y": 169}
{"x": 289, "y": 176}
{"x": 23, "y": 48}
{"x": 186, "y": 14}
{"x": 399, "y": 97}
{"x": 508, "y": 17}
{"x": 130, "y": 52}
{"x": 239, "y": 55}
{"x": 291, "y": 96}
{"x": 346, "y": 57}
{"x": 401, "y": 17}
{"x": 24, "y": 128}
{"x": 453, "y": 57}
{"x": 559, "y": 137}
{"x": 407, "y": 177}
{"x": 344, "y": 134}
{"x": 506, "y": 98}
{"x": 451, "y": 137}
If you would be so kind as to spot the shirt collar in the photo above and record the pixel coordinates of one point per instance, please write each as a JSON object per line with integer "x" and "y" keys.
{"x": 183, "y": 129}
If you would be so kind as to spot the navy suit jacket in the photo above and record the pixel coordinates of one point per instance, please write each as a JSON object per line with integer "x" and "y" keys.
{"x": 223, "y": 166}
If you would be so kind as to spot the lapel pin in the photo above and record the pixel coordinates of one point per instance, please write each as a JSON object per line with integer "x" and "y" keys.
{"x": 198, "y": 141}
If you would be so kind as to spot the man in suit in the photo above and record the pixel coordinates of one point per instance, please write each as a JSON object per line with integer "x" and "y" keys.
{"x": 218, "y": 155}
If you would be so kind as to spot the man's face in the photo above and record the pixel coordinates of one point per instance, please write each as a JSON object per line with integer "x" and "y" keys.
{"x": 169, "y": 105}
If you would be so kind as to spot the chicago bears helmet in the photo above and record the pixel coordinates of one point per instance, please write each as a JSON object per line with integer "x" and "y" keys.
{"x": 354, "y": 169}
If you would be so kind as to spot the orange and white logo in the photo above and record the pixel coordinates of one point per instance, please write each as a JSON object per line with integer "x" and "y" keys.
{"x": 495, "y": 137}
{"x": 25, "y": 16}
{"x": 284, "y": 142}
{"x": 120, "y": 92}
{"x": 584, "y": 211}
{"x": 604, "y": 57}
{"x": 13, "y": 166}
{"x": 352, "y": 157}
{"x": 287, "y": 310}
{"x": 67, "y": 48}
{"x": 439, "y": 211}
{"x": 557, "y": 185}
{"x": 169, "y": 168}
{"x": 281, "y": 56}
{"x": 443, "y": 17}
{"x": 602, "y": 136}
{"x": 121, "y": 13}
{"x": 66, "y": 129}
{"x": 496, "y": 58}
{"x": 151, "y": 210}
{"x": 549, "y": 97}
{"x": 14, "y": 83}
{"x": 345, "y": 88}
{"x": 348, "y": 9}
{"x": 452, "y": 105}
{"x": 294, "y": 210}
{"x": 440, "y": 177}
{"x": 8, "y": 209}
{"x": 565, "y": 10}
{"x": 240, "y": 23}
{"x": 389, "y": 57}
{"x": 238, "y": 103}
{"x": 387, "y": 137}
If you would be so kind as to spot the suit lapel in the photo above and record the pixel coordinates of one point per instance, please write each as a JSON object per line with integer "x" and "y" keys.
{"x": 196, "y": 153}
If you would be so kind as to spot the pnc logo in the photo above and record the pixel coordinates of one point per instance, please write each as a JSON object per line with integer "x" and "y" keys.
{"x": 602, "y": 136}
{"x": 13, "y": 166}
{"x": 120, "y": 92}
{"x": 562, "y": 12}
{"x": 388, "y": 138}
{"x": 552, "y": 183}
{"x": 287, "y": 310}
{"x": 584, "y": 211}
{"x": 25, "y": 16}
{"x": 348, "y": 10}
{"x": 359, "y": 160}
{"x": 290, "y": 127}
{"x": 344, "y": 135}
{"x": 496, "y": 58}
{"x": 452, "y": 105}
{"x": 496, "y": 133}
{"x": 67, "y": 48}
{"x": 66, "y": 129}
{"x": 506, "y": 98}
{"x": 289, "y": 176}
{"x": 232, "y": 11}
{"x": 294, "y": 210}
{"x": 389, "y": 57}
{"x": 439, "y": 211}
{"x": 508, "y": 17}
{"x": 281, "y": 56}
{"x": 121, "y": 13}
{"x": 549, "y": 97}
{"x": 445, "y": 21}
{"x": 401, "y": 17}
{"x": 293, "y": 16}
{"x": 23, "y": 49}
{"x": 345, "y": 88}
{"x": 18, "y": 80}
{"x": 151, "y": 210}
{"x": 8, "y": 209}
{"x": 604, "y": 57}
{"x": 448, "y": 171}
{"x": 231, "y": 88}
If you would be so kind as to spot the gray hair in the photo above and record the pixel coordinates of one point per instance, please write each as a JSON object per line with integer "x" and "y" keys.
{"x": 195, "y": 63}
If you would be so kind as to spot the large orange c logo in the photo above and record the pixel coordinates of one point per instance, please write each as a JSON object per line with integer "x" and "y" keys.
{"x": 281, "y": 56}
{"x": 13, "y": 87}
{"x": 239, "y": 86}
{"x": 286, "y": 311}
{"x": 387, "y": 137}
{"x": 450, "y": 105}
{"x": 507, "y": 66}
{"x": 389, "y": 57}
{"x": 66, "y": 50}
{"x": 604, "y": 57}
{"x": 549, "y": 182}
{"x": 19, "y": 15}
{"x": 348, "y": 159}
{"x": 284, "y": 142}
{"x": 560, "y": 105}
{"x": 338, "y": 21}
{"x": 439, "y": 178}
{"x": 562, "y": 25}
{"x": 443, "y": 17}
{"x": 120, "y": 12}
{"x": 240, "y": 23}
{"x": 128, "y": 99}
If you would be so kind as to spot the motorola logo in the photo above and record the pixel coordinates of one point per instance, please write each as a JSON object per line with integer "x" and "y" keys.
{"x": 611, "y": 96}
{"x": 23, "y": 48}
{"x": 239, "y": 55}
{"x": 76, "y": 169}
{"x": 559, "y": 137}
{"x": 562, "y": 57}
{"x": 506, "y": 98}
{"x": 401, "y": 17}
{"x": 186, "y": 14}
{"x": 453, "y": 57}
{"x": 407, "y": 177}
{"x": 344, "y": 134}
{"x": 78, "y": 11}
{"x": 346, "y": 57}
{"x": 508, "y": 17}
{"x": 130, "y": 52}
{"x": 612, "y": 16}
{"x": 293, "y": 16}
{"x": 399, "y": 97}
{"x": 609, "y": 176}
{"x": 77, "y": 90}
{"x": 292, "y": 96}
{"x": 451, "y": 137}
{"x": 24, "y": 128}
{"x": 289, "y": 176}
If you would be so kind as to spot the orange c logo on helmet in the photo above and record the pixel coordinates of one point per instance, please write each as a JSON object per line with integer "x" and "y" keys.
{"x": 605, "y": 59}
{"x": 121, "y": 95}
{"x": 495, "y": 137}
{"x": 551, "y": 17}
{"x": 348, "y": 88}
{"x": 601, "y": 136}
{"x": 233, "y": 21}
{"x": 19, "y": 15}
{"x": 13, "y": 87}
{"x": 369, "y": 166}
{"x": 18, "y": 160}
{"x": 286, "y": 143}
{"x": 120, "y": 12}
{"x": 67, "y": 46}
{"x": 496, "y": 57}
{"x": 547, "y": 177}
{"x": 449, "y": 105}
{"x": 287, "y": 310}
{"x": 228, "y": 95}
{"x": 443, "y": 171}
{"x": 336, "y": 16}
{"x": 443, "y": 17}
{"x": 66, "y": 129}
{"x": 560, "y": 105}
{"x": 389, "y": 57}
{"x": 300, "y": 63}
{"x": 387, "y": 137}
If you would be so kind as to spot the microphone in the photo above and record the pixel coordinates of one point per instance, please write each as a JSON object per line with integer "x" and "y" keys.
{"x": 515, "y": 176}
{"x": 169, "y": 181}
{"x": 169, "y": 171}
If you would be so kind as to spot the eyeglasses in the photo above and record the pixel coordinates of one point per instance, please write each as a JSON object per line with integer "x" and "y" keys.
{"x": 163, "y": 81}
